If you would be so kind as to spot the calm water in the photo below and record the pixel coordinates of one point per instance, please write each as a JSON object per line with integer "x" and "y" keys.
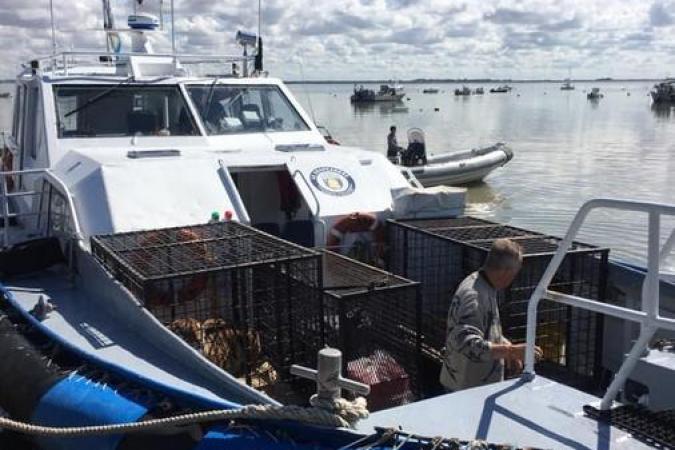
{"x": 568, "y": 149}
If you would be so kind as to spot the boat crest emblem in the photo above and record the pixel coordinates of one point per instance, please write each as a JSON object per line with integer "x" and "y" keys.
{"x": 332, "y": 181}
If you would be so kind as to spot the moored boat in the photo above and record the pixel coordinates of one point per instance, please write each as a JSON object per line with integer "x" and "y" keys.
{"x": 595, "y": 94}
{"x": 463, "y": 91}
{"x": 387, "y": 93}
{"x": 664, "y": 92}
{"x": 503, "y": 89}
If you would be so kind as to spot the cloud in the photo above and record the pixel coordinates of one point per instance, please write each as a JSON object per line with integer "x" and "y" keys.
{"x": 659, "y": 16}
{"x": 367, "y": 38}
{"x": 512, "y": 16}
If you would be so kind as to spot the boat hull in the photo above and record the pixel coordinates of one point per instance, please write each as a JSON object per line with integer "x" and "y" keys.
{"x": 461, "y": 168}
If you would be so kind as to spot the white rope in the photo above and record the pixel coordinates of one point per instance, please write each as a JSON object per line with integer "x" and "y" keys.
{"x": 316, "y": 416}
{"x": 350, "y": 411}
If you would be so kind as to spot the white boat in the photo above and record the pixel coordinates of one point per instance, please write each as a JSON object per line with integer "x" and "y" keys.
{"x": 567, "y": 86}
{"x": 465, "y": 167}
{"x": 120, "y": 305}
{"x": 453, "y": 168}
{"x": 503, "y": 89}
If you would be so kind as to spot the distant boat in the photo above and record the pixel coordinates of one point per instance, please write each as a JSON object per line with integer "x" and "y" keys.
{"x": 664, "y": 92}
{"x": 451, "y": 168}
{"x": 430, "y": 91}
{"x": 464, "y": 91}
{"x": 567, "y": 85}
{"x": 4, "y": 94}
{"x": 479, "y": 91}
{"x": 501, "y": 89}
{"x": 386, "y": 93}
{"x": 595, "y": 94}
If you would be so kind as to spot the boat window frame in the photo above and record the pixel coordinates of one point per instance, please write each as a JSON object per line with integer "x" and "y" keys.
{"x": 16, "y": 114}
{"x": 177, "y": 86}
{"x": 207, "y": 83}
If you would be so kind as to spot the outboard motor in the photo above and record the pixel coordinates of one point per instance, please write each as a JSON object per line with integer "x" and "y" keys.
{"x": 416, "y": 154}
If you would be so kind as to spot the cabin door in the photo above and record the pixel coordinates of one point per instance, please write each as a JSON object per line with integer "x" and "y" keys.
{"x": 275, "y": 204}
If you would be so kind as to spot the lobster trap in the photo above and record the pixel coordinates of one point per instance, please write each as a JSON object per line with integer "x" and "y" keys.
{"x": 228, "y": 290}
{"x": 373, "y": 317}
{"x": 440, "y": 253}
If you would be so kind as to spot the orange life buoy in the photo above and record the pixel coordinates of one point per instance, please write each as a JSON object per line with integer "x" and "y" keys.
{"x": 356, "y": 223}
{"x": 196, "y": 283}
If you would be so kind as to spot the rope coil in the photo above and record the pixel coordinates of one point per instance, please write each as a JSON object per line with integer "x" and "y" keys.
{"x": 314, "y": 415}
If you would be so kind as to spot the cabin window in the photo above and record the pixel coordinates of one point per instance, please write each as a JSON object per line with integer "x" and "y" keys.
{"x": 54, "y": 217}
{"x": 16, "y": 124}
{"x": 30, "y": 130}
{"x": 122, "y": 110}
{"x": 244, "y": 109}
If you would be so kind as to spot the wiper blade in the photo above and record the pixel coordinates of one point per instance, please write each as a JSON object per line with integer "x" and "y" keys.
{"x": 209, "y": 98}
{"x": 95, "y": 99}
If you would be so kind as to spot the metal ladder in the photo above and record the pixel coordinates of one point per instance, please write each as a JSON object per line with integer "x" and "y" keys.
{"x": 648, "y": 317}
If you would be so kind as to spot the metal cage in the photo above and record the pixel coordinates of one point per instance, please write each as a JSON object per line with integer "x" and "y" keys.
{"x": 440, "y": 253}
{"x": 374, "y": 317}
{"x": 234, "y": 293}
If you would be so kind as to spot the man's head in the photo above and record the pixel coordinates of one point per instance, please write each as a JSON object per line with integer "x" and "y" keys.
{"x": 503, "y": 263}
{"x": 392, "y": 129}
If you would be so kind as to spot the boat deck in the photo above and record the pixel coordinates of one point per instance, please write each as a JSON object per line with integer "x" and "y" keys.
{"x": 89, "y": 328}
{"x": 540, "y": 414}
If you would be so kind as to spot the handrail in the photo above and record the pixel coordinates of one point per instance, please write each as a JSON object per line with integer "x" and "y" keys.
{"x": 649, "y": 317}
{"x": 233, "y": 193}
{"x": 5, "y": 196}
{"x": 59, "y": 60}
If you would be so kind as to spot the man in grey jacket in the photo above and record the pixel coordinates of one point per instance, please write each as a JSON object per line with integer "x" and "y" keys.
{"x": 475, "y": 350}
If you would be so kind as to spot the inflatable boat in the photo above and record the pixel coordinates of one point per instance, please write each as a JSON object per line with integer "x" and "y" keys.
{"x": 453, "y": 168}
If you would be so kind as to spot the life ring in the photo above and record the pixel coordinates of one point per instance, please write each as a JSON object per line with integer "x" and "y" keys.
{"x": 356, "y": 223}
{"x": 8, "y": 166}
{"x": 195, "y": 285}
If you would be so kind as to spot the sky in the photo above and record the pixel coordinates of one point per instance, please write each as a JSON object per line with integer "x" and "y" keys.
{"x": 383, "y": 39}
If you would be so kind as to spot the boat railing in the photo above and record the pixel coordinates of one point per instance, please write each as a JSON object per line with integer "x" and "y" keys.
{"x": 648, "y": 317}
{"x": 7, "y": 195}
{"x": 63, "y": 62}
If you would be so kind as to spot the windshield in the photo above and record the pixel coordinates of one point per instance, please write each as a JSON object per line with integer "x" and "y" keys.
{"x": 122, "y": 110}
{"x": 244, "y": 109}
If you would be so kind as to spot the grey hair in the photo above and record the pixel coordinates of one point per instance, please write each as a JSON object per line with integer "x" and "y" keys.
{"x": 505, "y": 254}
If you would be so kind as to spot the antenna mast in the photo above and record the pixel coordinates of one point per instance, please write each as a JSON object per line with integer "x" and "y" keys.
{"x": 259, "y": 18}
{"x": 173, "y": 32}
{"x": 51, "y": 13}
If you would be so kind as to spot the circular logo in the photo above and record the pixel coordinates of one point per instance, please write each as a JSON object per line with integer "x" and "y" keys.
{"x": 332, "y": 181}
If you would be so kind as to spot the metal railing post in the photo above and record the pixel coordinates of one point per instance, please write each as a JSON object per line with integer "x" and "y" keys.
{"x": 5, "y": 211}
{"x": 543, "y": 284}
{"x": 649, "y": 317}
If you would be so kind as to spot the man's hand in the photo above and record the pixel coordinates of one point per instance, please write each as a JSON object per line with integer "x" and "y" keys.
{"x": 516, "y": 352}
{"x": 513, "y": 352}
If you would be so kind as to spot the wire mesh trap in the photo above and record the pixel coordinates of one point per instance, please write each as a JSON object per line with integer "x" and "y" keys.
{"x": 440, "y": 253}
{"x": 372, "y": 316}
{"x": 235, "y": 294}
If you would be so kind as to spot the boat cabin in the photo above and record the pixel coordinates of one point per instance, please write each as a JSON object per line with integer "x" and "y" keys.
{"x": 136, "y": 142}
